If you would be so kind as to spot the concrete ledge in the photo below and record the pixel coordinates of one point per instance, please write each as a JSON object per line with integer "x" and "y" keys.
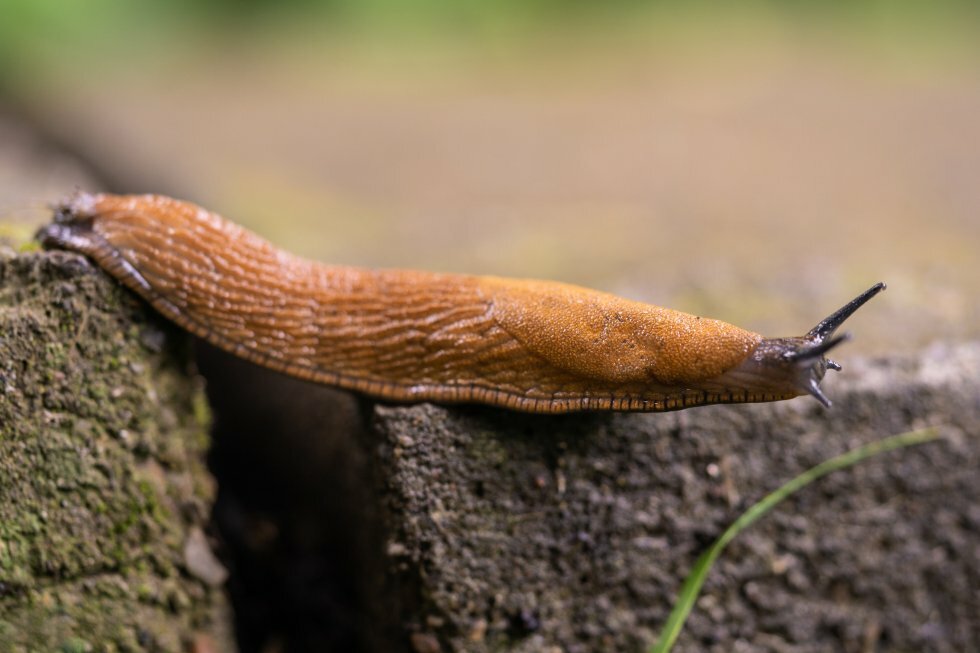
{"x": 104, "y": 494}
{"x": 457, "y": 529}
{"x": 573, "y": 534}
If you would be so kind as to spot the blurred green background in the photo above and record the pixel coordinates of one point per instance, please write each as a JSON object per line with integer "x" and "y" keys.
{"x": 760, "y": 162}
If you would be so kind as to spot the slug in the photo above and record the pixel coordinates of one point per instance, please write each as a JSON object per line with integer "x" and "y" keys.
{"x": 411, "y": 336}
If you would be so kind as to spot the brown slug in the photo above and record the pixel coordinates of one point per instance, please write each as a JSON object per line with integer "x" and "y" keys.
{"x": 403, "y": 335}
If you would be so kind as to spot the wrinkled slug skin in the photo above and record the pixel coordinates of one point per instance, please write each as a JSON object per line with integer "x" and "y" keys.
{"x": 406, "y": 335}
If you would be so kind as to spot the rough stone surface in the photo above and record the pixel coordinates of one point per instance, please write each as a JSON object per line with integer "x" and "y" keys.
{"x": 499, "y": 531}
{"x": 102, "y": 436}
{"x": 573, "y": 534}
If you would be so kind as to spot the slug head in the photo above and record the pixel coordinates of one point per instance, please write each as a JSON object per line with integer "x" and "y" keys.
{"x": 799, "y": 364}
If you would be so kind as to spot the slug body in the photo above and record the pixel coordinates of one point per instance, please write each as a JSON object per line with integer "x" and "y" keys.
{"x": 405, "y": 335}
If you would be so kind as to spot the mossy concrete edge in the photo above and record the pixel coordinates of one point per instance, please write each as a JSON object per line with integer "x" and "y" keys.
{"x": 104, "y": 492}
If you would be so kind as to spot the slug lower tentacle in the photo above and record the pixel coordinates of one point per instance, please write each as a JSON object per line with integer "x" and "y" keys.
{"x": 405, "y": 335}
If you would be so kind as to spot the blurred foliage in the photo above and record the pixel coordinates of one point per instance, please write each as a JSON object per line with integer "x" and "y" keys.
{"x": 37, "y": 36}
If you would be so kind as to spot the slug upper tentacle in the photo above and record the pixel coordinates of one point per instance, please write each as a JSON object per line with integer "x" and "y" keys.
{"x": 406, "y": 335}
{"x": 829, "y": 325}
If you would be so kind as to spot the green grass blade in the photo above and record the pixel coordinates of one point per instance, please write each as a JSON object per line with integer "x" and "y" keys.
{"x": 692, "y": 585}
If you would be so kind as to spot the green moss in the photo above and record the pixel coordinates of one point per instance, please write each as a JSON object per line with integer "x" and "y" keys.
{"x": 76, "y": 645}
{"x": 86, "y": 532}
{"x": 202, "y": 411}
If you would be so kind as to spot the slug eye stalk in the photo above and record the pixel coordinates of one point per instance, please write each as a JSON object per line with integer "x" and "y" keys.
{"x": 823, "y": 339}
{"x": 832, "y": 322}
